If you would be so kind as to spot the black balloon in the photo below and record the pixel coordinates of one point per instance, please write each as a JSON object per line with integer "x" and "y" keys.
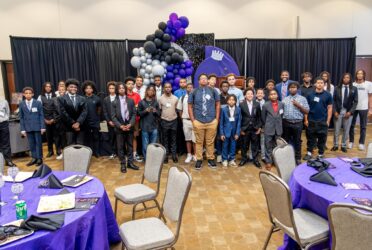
{"x": 157, "y": 57}
{"x": 158, "y": 42}
{"x": 167, "y": 37}
{"x": 175, "y": 57}
{"x": 162, "y": 25}
{"x": 150, "y": 37}
{"x": 165, "y": 46}
{"x": 150, "y": 47}
{"x": 171, "y": 51}
{"x": 162, "y": 58}
{"x": 168, "y": 59}
{"x": 159, "y": 33}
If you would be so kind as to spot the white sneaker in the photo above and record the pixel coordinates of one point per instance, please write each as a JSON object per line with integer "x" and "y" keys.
{"x": 232, "y": 164}
{"x": 219, "y": 159}
{"x": 59, "y": 157}
{"x": 224, "y": 164}
{"x": 350, "y": 145}
{"x": 194, "y": 158}
{"x": 361, "y": 147}
{"x": 188, "y": 158}
{"x": 111, "y": 157}
{"x": 137, "y": 158}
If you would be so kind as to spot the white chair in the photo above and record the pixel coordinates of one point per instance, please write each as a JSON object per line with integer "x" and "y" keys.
{"x": 369, "y": 150}
{"x": 280, "y": 141}
{"x": 303, "y": 226}
{"x": 77, "y": 158}
{"x": 140, "y": 193}
{"x": 2, "y": 163}
{"x": 350, "y": 226}
{"x": 284, "y": 160}
{"x": 153, "y": 233}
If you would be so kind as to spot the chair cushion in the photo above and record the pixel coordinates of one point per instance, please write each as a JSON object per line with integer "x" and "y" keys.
{"x": 134, "y": 193}
{"x": 145, "y": 233}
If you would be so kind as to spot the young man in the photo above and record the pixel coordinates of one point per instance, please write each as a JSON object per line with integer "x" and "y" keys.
{"x": 364, "y": 104}
{"x": 61, "y": 84}
{"x": 328, "y": 86}
{"x": 123, "y": 115}
{"x": 92, "y": 121}
{"x": 188, "y": 131}
{"x": 106, "y": 107}
{"x": 204, "y": 110}
{"x": 295, "y": 108}
{"x": 251, "y": 82}
{"x": 32, "y": 125}
{"x": 212, "y": 80}
{"x": 129, "y": 84}
{"x": 306, "y": 87}
{"x": 158, "y": 87}
{"x": 250, "y": 127}
{"x": 74, "y": 112}
{"x": 260, "y": 98}
{"x": 60, "y": 138}
{"x": 49, "y": 109}
{"x": 4, "y": 132}
{"x": 269, "y": 85}
{"x": 282, "y": 87}
{"x": 223, "y": 102}
{"x": 319, "y": 118}
{"x": 168, "y": 123}
{"x": 139, "y": 88}
{"x": 233, "y": 90}
{"x": 345, "y": 100}
{"x": 182, "y": 90}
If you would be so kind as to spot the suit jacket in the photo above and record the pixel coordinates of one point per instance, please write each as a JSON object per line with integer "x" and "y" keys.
{"x": 107, "y": 107}
{"x": 250, "y": 121}
{"x": 49, "y": 107}
{"x": 272, "y": 121}
{"x": 70, "y": 114}
{"x": 227, "y": 128}
{"x": 31, "y": 120}
{"x": 116, "y": 113}
{"x": 352, "y": 100}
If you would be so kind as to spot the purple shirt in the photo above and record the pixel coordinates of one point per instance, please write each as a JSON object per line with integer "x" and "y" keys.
{"x": 123, "y": 107}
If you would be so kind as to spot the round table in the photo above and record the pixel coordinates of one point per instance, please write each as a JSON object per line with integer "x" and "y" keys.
{"x": 91, "y": 229}
{"x": 316, "y": 197}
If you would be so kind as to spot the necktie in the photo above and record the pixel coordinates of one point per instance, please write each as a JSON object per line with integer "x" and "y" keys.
{"x": 29, "y": 105}
{"x": 204, "y": 108}
{"x": 73, "y": 101}
{"x": 124, "y": 110}
{"x": 48, "y": 97}
{"x": 346, "y": 93}
{"x": 284, "y": 90}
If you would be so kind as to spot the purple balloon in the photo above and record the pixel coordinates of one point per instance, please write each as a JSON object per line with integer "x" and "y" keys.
{"x": 167, "y": 30}
{"x": 169, "y": 24}
{"x": 169, "y": 67}
{"x": 173, "y": 38}
{"x": 173, "y": 31}
{"x": 188, "y": 72}
{"x": 173, "y": 16}
{"x": 175, "y": 71}
{"x": 177, "y": 80}
{"x": 177, "y": 24}
{"x": 188, "y": 63}
{"x": 184, "y": 21}
{"x": 180, "y": 32}
{"x": 171, "y": 81}
{"x": 170, "y": 75}
{"x": 182, "y": 73}
{"x": 183, "y": 66}
{"x": 176, "y": 66}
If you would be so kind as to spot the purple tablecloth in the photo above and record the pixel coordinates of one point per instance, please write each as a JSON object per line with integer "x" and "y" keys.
{"x": 92, "y": 229}
{"x": 316, "y": 197}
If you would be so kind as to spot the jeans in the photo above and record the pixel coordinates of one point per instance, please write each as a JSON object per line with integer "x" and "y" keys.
{"x": 345, "y": 123}
{"x": 147, "y": 138}
{"x": 363, "y": 118}
{"x": 317, "y": 136}
{"x": 229, "y": 149}
{"x": 35, "y": 143}
{"x": 292, "y": 134}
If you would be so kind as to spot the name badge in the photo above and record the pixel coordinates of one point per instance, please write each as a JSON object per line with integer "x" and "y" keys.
{"x": 208, "y": 97}
{"x": 34, "y": 110}
{"x": 281, "y": 111}
{"x": 168, "y": 105}
{"x": 2, "y": 113}
{"x": 316, "y": 99}
{"x": 231, "y": 119}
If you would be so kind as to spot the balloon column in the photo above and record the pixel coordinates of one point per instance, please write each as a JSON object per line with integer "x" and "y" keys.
{"x": 161, "y": 56}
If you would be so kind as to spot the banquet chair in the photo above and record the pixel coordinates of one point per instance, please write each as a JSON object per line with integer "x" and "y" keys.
{"x": 140, "y": 193}
{"x": 76, "y": 158}
{"x": 350, "y": 226}
{"x": 284, "y": 160}
{"x": 280, "y": 141}
{"x": 303, "y": 226}
{"x": 2, "y": 163}
{"x": 153, "y": 233}
{"x": 369, "y": 150}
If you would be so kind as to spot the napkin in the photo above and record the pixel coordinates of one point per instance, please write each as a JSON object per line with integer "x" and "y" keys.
{"x": 51, "y": 182}
{"x": 365, "y": 171}
{"x": 49, "y": 222}
{"x": 323, "y": 177}
{"x": 366, "y": 161}
{"x": 318, "y": 164}
{"x": 42, "y": 171}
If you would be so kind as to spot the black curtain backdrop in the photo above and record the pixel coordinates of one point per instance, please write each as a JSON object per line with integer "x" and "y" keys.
{"x": 37, "y": 60}
{"x": 267, "y": 57}
{"x": 236, "y": 49}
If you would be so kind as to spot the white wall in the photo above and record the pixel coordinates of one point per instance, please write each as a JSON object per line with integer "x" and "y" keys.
{"x": 134, "y": 19}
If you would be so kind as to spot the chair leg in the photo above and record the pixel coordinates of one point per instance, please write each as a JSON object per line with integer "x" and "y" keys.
{"x": 268, "y": 237}
{"x": 116, "y": 206}
{"x": 162, "y": 215}
{"x": 134, "y": 211}
{"x": 122, "y": 246}
{"x": 144, "y": 205}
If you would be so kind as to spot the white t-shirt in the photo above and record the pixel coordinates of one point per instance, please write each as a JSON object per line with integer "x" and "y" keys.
{"x": 364, "y": 89}
{"x": 140, "y": 91}
{"x": 184, "y": 107}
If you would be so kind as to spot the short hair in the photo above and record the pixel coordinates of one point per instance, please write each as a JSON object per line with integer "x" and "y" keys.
{"x": 72, "y": 81}
{"x": 156, "y": 76}
{"x": 110, "y": 83}
{"x": 183, "y": 78}
{"x": 231, "y": 96}
{"x": 167, "y": 83}
{"x": 363, "y": 71}
{"x": 230, "y": 74}
{"x": 284, "y": 70}
{"x": 212, "y": 75}
{"x": 251, "y": 78}
{"x": 272, "y": 91}
{"x": 294, "y": 83}
{"x": 190, "y": 83}
{"x": 89, "y": 83}
{"x": 27, "y": 88}
{"x": 270, "y": 81}
{"x": 202, "y": 74}
{"x": 139, "y": 76}
{"x": 129, "y": 79}
{"x": 318, "y": 79}
{"x": 260, "y": 89}
{"x": 224, "y": 82}
{"x": 248, "y": 89}
{"x": 306, "y": 74}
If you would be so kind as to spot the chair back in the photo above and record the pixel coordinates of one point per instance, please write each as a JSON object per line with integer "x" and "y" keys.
{"x": 155, "y": 154}
{"x": 369, "y": 150}
{"x": 281, "y": 141}
{"x": 350, "y": 226}
{"x": 77, "y": 158}
{"x": 279, "y": 202}
{"x": 2, "y": 163}
{"x": 284, "y": 160}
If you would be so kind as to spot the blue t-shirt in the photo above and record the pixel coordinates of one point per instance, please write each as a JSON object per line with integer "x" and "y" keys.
{"x": 318, "y": 103}
{"x": 196, "y": 98}
{"x": 179, "y": 93}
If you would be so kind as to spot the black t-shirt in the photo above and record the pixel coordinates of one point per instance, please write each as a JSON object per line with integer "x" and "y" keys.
{"x": 306, "y": 91}
{"x": 92, "y": 104}
{"x": 223, "y": 100}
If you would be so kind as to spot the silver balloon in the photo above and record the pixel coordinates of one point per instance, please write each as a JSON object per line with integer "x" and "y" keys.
{"x": 143, "y": 65}
{"x": 136, "y": 51}
{"x": 143, "y": 52}
{"x": 151, "y": 75}
{"x": 146, "y": 81}
{"x": 148, "y": 56}
{"x": 143, "y": 59}
{"x": 135, "y": 61}
{"x": 147, "y": 75}
{"x": 164, "y": 64}
{"x": 155, "y": 62}
{"x": 142, "y": 72}
{"x": 148, "y": 69}
{"x": 149, "y": 61}
{"x": 152, "y": 80}
{"x": 158, "y": 70}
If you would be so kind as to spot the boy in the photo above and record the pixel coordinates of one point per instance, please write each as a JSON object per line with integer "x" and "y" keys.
{"x": 106, "y": 108}
{"x": 182, "y": 90}
{"x": 4, "y": 132}
{"x": 233, "y": 90}
{"x": 32, "y": 125}
{"x": 251, "y": 82}
{"x": 223, "y": 100}
{"x": 139, "y": 88}
{"x": 306, "y": 87}
{"x": 212, "y": 79}
{"x": 260, "y": 98}
{"x": 158, "y": 87}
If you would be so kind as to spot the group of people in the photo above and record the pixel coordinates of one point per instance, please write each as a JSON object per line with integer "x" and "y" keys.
{"x": 214, "y": 120}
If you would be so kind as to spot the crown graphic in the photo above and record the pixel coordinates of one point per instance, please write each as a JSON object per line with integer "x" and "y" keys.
{"x": 217, "y": 55}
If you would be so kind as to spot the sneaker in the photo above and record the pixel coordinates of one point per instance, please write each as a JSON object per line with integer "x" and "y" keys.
{"x": 224, "y": 164}
{"x": 219, "y": 159}
{"x": 320, "y": 156}
{"x": 137, "y": 158}
{"x": 350, "y": 145}
{"x": 212, "y": 164}
{"x": 361, "y": 147}
{"x": 198, "y": 165}
{"x": 232, "y": 163}
{"x": 59, "y": 157}
{"x": 188, "y": 158}
{"x": 194, "y": 158}
{"x": 111, "y": 157}
{"x": 307, "y": 157}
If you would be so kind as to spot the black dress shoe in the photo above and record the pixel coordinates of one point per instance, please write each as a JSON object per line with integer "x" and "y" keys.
{"x": 39, "y": 162}
{"x": 132, "y": 166}
{"x": 307, "y": 157}
{"x": 123, "y": 167}
{"x": 257, "y": 163}
{"x": 243, "y": 162}
{"x": 32, "y": 162}
{"x": 212, "y": 163}
{"x": 334, "y": 148}
{"x": 175, "y": 158}
{"x": 166, "y": 160}
{"x": 343, "y": 149}
{"x": 49, "y": 154}
{"x": 198, "y": 164}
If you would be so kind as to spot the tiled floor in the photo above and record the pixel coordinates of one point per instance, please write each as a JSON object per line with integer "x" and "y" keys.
{"x": 226, "y": 209}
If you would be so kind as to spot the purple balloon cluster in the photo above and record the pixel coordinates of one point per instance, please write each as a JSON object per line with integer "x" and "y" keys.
{"x": 176, "y": 26}
{"x": 177, "y": 71}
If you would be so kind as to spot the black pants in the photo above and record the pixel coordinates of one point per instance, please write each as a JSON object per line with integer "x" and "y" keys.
{"x": 292, "y": 134}
{"x": 50, "y": 136}
{"x": 92, "y": 139}
{"x": 75, "y": 137}
{"x": 250, "y": 138}
{"x": 112, "y": 139}
{"x": 169, "y": 135}
{"x": 317, "y": 136}
{"x": 124, "y": 142}
{"x": 363, "y": 118}
{"x": 5, "y": 140}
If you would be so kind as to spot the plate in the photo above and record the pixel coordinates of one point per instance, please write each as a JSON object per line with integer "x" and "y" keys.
{"x": 56, "y": 203}
{"x": 15, "y": 238}
{"x": 83, "y": 181}
{"x": 21, "y": 177}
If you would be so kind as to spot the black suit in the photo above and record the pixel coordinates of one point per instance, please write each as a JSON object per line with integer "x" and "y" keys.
{"x": 124, "y": 138}
{"x": 107, "y": 107}
{"x": 60, "y": 129}
{"x": 72, "y": 114}
{"x": 49, "y": 108}
{"x": 351, "y": 101}
{"x": 251, "y": 122}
